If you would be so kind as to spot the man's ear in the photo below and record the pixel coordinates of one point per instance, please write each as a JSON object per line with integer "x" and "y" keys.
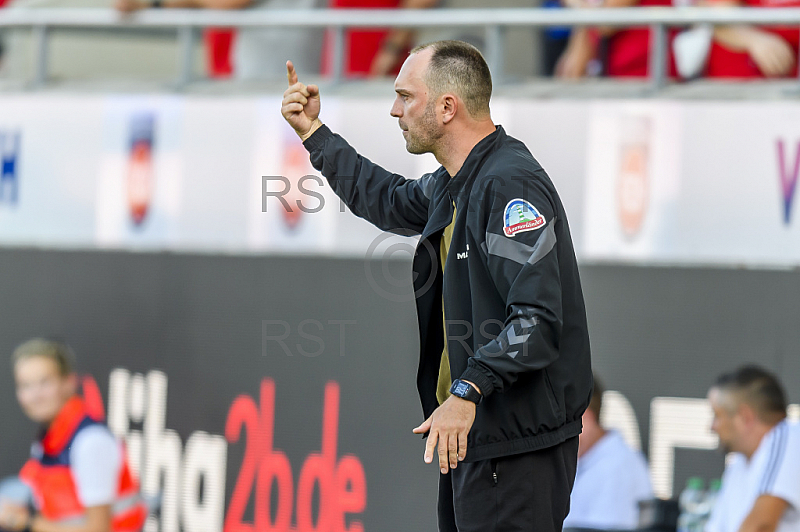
{"x": 746, "y": 413}
{"x": 449, "y": 107}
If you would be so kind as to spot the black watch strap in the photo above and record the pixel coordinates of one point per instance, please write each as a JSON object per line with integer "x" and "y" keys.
{"x": 466, "y": 391}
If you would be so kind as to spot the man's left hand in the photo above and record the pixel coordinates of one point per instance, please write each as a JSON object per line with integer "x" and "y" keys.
{"x": 448, "y": 425}
{"x": 14, "y": 517}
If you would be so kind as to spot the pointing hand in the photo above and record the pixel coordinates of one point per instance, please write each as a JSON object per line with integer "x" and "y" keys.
{"x": 300, "y": 106}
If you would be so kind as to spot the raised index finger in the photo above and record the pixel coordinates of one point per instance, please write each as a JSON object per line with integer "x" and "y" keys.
{"x": 291, "y": 73}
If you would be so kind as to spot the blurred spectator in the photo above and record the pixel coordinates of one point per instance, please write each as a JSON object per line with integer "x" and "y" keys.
{"x": 761, "y": 484}
{"x": 262, "y": 53}
{"x": 258, "y": 53}
{"x": 554, "y": 41}
{"x": 583, "y": 46}
{"x": 626, "y": 52}
{"x": 473, "y": 36}
{"x": 219, "y": 47}
{"x": 374, "y": 52}
{"x": 611, "y": 478}
{"x": 77, "y": 472}
{"x": 746, "y": 51}
{"x": 2, "y": 3}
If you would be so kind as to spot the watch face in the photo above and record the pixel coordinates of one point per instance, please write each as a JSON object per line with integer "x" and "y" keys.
{"x": 461, "y": 389}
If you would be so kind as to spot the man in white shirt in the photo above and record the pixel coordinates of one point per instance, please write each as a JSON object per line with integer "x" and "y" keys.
{"x": 761, "y": 484}
{"x": 611, "y": 478}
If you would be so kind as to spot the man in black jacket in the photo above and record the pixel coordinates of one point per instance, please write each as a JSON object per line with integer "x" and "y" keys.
{"x": 504, "y": 372}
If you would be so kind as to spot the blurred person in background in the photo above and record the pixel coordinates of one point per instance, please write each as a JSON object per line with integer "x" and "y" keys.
{"x": 519, "y": 49}
{"x": 761, "y": 484}
{"x": 2, "y": 3}
{"x": 258, "y": 53}
{"x": 553, "y": 40}
{"x": 473, "y": 36}
{"x": 219, "y": 45}
{"x": 623, "y": 52}
{"x": 611, "y": 478}
{"x": 746, "y": 51}
{"x": 77, "y": 472}
{"x": 374, "y": 52}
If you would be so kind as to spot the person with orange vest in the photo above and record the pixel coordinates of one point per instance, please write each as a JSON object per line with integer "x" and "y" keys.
{"x": 77, "y": 473}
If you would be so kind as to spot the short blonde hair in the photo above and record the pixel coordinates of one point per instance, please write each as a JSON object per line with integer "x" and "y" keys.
{"x": 58, "y": 352}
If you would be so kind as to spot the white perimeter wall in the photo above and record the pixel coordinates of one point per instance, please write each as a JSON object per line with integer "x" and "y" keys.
{"x": 644, "y": 181}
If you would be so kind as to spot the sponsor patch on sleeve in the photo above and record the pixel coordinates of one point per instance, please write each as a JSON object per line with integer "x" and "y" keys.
{"x": 521, "y": 216}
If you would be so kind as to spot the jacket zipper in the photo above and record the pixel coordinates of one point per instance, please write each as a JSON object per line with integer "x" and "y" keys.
{"x": 494, "y": 472}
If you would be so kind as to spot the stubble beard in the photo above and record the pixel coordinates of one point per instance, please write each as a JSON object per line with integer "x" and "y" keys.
{"x": 426, "y": 135}
{"x": 726, "y": 446}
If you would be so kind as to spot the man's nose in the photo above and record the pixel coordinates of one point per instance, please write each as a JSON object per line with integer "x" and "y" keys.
{"x": 396, "y": 111}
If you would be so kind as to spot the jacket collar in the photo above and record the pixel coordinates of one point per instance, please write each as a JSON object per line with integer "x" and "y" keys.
{"x": 475, "y": 159}
{"x": 63, "y": 427}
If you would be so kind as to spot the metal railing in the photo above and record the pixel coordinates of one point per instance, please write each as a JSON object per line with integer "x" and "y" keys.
{"x": 495, "y": 22}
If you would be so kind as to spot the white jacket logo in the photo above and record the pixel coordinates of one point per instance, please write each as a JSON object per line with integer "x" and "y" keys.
{"x": 463, "y": 255}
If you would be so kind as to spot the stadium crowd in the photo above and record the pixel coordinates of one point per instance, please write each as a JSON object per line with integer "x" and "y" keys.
{"x": 733, "y": 52}
{"x": 742, "y": 51}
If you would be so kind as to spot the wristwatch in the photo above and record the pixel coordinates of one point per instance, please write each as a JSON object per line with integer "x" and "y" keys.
{"x": 466, "y": 391}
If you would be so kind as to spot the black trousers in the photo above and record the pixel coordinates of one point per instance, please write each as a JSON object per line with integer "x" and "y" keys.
{"x": 522, "y": 492}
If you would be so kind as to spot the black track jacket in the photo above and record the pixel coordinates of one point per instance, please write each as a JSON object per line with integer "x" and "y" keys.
{"x": 515, "y": 316}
